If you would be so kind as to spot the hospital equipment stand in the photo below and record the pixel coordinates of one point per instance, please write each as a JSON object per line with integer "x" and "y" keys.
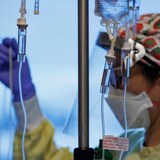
{"x": 83, "y": 152}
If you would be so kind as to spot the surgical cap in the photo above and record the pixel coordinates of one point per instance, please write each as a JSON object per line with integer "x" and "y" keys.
{"x": 148, "y": 34}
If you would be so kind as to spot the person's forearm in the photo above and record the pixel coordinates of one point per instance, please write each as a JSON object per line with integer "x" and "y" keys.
{"x": 33, "y": 112}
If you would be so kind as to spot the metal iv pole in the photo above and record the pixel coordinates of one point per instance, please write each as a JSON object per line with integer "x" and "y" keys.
{"x": 83, "y": 152}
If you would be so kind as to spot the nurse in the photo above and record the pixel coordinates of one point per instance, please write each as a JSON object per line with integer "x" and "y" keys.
{"x": 143, "y": 91}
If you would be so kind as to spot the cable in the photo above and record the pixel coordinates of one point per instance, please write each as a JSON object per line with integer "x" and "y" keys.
{"x": 24, "y": 111}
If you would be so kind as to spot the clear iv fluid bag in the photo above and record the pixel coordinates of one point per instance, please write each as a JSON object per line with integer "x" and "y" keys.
{"x": 111, "y": 9}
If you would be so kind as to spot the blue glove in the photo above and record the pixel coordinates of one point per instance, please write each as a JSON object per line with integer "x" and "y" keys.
{"x": 28, "y": 89}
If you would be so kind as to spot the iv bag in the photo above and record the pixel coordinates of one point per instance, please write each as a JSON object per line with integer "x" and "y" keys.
{"x": 111, "y": 9}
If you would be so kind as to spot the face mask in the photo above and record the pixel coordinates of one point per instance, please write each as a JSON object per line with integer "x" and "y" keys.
{"x": 136, "y": 106}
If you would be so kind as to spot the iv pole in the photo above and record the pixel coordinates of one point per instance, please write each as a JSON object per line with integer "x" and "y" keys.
{"x": 83, "y": 152}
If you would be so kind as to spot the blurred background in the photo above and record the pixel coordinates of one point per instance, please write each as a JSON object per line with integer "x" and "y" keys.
{"x": 52, "y": 53}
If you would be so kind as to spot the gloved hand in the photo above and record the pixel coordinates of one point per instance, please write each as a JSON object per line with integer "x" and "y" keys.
{"x": 28, "y": 89}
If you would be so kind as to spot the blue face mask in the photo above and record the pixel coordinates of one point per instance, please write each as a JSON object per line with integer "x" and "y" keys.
{"x": 136, "y": 106}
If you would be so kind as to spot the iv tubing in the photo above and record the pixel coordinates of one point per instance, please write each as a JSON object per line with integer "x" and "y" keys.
{"x": 102, "y": 115}
{"x": 124, "y": 106}
{"x": 111, "y": 55}
{"x": 125, "y": 114}
{"x": 103, "y": 123}
{"x": 23, "y": 8}
{"x": 112, "y": 44}
{"x": 102, "y": 97}
{"x": 24, "y": 111}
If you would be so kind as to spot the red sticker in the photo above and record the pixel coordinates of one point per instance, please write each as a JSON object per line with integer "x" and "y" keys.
{"x": 115, "y": 143}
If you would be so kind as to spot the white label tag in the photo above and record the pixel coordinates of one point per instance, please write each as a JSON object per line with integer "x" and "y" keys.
{"x": 115, "y": 143}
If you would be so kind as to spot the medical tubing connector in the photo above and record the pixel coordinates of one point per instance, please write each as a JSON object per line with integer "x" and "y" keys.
{"x": 22, "y": 32}
{"x": 134, "y": 9}
{"x": 126, "y": 49}
{"x": 36, "y": 7}
{"x": 23, "y": 10}
{"x": 109, "y": 59}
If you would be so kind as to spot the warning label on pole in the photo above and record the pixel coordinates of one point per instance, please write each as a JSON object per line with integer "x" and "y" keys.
{"x": 115, "y": 143}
